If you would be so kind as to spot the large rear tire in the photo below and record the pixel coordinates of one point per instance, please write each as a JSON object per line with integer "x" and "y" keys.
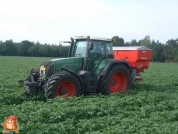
{"x": 118, "y": 79}
{"x": 63, "y": 83}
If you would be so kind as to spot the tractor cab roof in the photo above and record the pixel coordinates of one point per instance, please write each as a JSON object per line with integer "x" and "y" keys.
{"x": 92, "y": 38}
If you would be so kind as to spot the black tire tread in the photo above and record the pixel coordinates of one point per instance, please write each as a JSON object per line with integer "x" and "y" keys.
{"x": 50, "y": 90}
{"x": 103, "y": 84}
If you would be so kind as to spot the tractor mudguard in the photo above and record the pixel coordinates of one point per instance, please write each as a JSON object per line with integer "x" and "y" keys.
{"x": 85, "y": 76}
{"x": 110, "y": 62}
{"x": 75, "y": 75}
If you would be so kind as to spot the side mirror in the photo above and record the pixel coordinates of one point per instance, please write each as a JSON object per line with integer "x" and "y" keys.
{"x": 90, "y": 46}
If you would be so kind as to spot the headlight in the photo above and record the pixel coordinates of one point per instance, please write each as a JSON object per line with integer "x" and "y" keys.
{"x": 42, "y": 70}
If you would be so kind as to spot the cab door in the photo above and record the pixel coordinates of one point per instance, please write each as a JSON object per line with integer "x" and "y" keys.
{"x": 96, "y": 55}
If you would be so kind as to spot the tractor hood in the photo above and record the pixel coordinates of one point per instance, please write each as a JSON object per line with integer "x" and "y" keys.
{"x": 71, "y": 63}
{"x": 53, "y": 66}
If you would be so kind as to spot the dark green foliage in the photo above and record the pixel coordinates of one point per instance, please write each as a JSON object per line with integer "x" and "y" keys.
{"x": 118, "y": 41}
{"x": 149, "y": 107}
{"x": 27, "y": 48}
{"x": 167, "y": 52}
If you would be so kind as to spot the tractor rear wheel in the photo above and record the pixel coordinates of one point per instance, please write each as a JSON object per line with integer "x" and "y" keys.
{"x": 118, "y": 79}
{"x": 63, "y": 83}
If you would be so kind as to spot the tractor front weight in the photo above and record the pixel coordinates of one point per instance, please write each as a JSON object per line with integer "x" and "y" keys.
{"x": 32, "y": 84}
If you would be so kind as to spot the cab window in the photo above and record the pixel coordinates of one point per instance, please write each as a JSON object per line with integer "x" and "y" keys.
{"x": 109, "y": 50}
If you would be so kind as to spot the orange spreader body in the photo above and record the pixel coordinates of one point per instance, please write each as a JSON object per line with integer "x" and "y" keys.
{"x": 138, "y": 57}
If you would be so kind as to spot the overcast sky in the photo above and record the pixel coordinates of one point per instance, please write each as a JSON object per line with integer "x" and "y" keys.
{"x": 52, "y": 21}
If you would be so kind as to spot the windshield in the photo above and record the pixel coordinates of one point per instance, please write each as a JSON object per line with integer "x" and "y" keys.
{"x": 80, "y": 49}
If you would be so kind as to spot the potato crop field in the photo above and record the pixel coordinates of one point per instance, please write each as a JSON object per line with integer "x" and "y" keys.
{"x": 149, "y": 107}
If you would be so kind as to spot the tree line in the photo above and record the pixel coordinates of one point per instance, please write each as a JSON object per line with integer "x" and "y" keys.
{"x": 28, "y": 48}
{"x": 167, "y": 52}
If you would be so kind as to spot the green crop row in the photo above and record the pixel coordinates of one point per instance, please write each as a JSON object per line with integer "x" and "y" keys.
{"x": 149, "y": 107}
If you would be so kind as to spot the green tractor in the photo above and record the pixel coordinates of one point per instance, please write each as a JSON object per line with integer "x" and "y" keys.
{"x": 90, "y": 68}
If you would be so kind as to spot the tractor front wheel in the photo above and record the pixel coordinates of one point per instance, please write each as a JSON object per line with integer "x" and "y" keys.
{"x": 118, "y": 79}
{"x": 62, "y": 83}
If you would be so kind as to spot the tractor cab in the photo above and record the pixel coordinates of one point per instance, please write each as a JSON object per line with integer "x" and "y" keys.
{"x": 93, "y": 51}
{"x": 85, "y": 46}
